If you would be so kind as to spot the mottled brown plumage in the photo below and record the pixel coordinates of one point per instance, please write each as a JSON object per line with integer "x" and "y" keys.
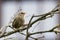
{"x": 19, "y": 20}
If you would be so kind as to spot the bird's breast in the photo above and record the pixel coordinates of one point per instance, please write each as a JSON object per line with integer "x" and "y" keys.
{"x": 18, "y": 22}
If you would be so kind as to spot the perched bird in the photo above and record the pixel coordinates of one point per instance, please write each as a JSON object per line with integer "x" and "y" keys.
{"x": 18, "y": 20}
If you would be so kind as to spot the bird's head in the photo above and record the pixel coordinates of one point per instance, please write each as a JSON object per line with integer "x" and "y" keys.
{"x": 21, "y": 13}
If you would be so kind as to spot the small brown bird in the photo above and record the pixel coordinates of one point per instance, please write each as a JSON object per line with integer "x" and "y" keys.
{"x": 19, "y": 20}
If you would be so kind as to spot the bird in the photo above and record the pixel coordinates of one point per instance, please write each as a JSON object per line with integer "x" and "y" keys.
{"x": 18, "y": 20}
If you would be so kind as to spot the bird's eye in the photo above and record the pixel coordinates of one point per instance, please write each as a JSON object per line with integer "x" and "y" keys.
{"x": 22, "y": 13}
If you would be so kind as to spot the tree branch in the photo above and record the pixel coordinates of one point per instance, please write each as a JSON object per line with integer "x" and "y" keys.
{"x": 27, "y": 28}
{"x": 51, "y": 30}
{"x": 22, "y": 33}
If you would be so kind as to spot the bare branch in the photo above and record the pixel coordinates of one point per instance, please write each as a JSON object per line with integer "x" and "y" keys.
{"x": 51, "y": 30}
{"x": 27, "y": 28}
{"x": 22, "y": 33}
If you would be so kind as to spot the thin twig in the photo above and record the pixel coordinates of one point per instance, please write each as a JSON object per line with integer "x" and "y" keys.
{"x": 44, "y": 17}
{"x": 27, "y": 28}
{"x": 21, "y": 33}
{"x": 51, "y": 30}
{"x": 53, "y": 10}
{"x": 25, "y": 35}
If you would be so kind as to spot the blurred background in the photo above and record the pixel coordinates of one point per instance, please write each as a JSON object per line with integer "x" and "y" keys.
{"x": 8, "y": 9}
